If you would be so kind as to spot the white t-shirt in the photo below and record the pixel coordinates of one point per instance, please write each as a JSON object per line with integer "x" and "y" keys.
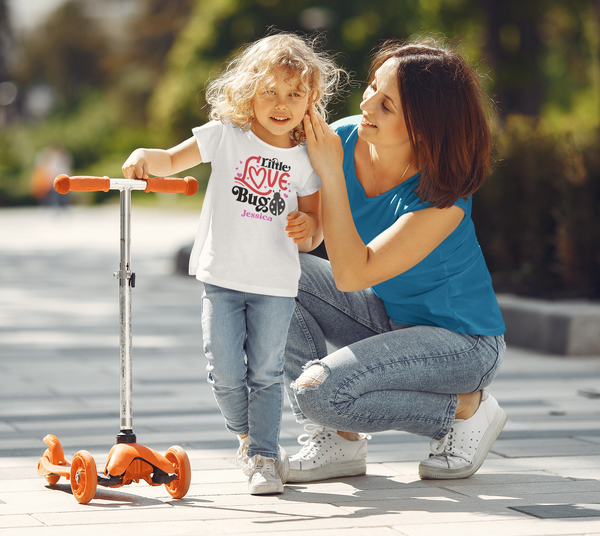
{"x": 241, "y": 242}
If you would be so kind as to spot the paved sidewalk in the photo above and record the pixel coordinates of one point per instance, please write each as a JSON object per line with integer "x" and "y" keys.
{"x": 59, "y": 374}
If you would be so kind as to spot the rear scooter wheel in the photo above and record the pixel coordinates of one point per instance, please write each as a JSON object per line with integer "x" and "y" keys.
{"x": 84, "y": 478}
{"x": 181, "y": 465}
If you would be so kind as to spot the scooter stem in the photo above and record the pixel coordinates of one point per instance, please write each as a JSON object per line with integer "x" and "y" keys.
{"x": 126, "y": 281}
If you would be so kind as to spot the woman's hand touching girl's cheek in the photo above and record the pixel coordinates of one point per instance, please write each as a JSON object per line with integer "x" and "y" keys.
{"x": 324, "y": 145}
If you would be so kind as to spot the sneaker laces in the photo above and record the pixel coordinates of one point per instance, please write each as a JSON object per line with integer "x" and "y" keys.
{"x": 311, "y": 440}
{"x": 442, "y": 447}
{"x": 258, "y": 463}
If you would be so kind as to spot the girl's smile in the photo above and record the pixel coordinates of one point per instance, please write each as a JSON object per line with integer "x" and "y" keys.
{"x": 279, "y": 108}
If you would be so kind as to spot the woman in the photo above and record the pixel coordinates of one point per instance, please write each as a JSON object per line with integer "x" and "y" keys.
{"x": 406, "y": 297}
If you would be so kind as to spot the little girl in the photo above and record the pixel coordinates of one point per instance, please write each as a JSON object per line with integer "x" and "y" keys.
{"x": 262, "y": 205}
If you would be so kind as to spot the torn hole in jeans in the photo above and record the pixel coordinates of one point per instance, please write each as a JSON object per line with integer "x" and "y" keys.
{"x": 313, "y": 376}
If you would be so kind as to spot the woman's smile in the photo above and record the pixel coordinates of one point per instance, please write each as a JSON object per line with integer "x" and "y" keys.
{"x": 367, "y": 123}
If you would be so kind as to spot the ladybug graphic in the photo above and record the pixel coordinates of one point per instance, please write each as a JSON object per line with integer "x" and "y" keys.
{"x": 277, "y": 205}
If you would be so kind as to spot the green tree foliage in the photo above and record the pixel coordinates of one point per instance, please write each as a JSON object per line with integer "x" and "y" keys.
{"x": 542, "y": 52}
{"x": 571, "y": 35}
{"x": 541, "y": 55}
{"x": 138, "y": 68}
{"x": 74, "y": 52}
{"x": 195, "y": 52}
{"x": 537, "y": 216}
{"x": 101, "y": 81}
{"x": 67, "y": 53}
{"x": 5, "y": 37}
{"x": 351, "y": 28}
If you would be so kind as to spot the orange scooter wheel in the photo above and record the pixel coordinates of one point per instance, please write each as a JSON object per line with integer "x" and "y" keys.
{"x": 84, "y": 478}
{"x": 181, "y": 465}
{"x": 51, "y": 478}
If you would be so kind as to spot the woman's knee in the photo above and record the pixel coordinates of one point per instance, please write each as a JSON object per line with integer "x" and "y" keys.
{"x": 314, "y": 395}
{"x": 313, "y": 376}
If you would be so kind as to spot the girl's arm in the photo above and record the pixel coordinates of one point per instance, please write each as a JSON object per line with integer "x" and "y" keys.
{"x": 304, "y": 225}
{"x": 160, "y": 162}
{"x": 357, "y": 266}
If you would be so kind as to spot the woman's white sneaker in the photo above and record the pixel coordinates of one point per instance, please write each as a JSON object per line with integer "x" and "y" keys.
{"x": 326, "y": 454}
{"x": 461, "y": 453}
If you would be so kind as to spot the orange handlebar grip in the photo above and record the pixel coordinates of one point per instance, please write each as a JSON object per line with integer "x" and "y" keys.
{"x": 64, "y": 184}
{"x": 172, "y": 185}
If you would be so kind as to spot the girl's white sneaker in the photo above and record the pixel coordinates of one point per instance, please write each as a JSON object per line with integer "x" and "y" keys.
{"x": 282, "y": 465}
{"x": 262, "y": 476}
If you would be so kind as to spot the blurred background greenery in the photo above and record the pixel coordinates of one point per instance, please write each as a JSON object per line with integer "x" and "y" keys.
{"x": 98, "y": 78}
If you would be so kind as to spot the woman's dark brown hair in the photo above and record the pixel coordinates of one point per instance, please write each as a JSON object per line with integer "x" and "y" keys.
{"x": 447, "y": 117}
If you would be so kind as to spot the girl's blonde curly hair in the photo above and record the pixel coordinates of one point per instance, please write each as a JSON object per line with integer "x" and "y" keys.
{"x": 254, "y": 70}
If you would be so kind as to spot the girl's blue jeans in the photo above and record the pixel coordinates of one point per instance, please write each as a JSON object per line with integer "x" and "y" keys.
{"x": 384, "y": 375}
{"x": 244, "y": 341}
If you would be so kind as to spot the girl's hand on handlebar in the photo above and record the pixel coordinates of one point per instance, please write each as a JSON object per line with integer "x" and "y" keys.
{"x": 136, "y": 166}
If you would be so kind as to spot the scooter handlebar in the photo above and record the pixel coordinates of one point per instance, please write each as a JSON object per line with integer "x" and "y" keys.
{"x": 64, "y": 184}
{"x": 173, "y": 185}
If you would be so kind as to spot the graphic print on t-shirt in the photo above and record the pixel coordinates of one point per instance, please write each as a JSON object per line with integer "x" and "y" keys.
{"x": 262, "y": 183}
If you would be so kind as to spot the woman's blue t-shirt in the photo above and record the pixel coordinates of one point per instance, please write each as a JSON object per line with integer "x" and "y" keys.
{"x": 451, "y": 288}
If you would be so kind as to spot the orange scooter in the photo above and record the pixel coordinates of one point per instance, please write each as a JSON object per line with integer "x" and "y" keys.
{"x": 128, "y": 461}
